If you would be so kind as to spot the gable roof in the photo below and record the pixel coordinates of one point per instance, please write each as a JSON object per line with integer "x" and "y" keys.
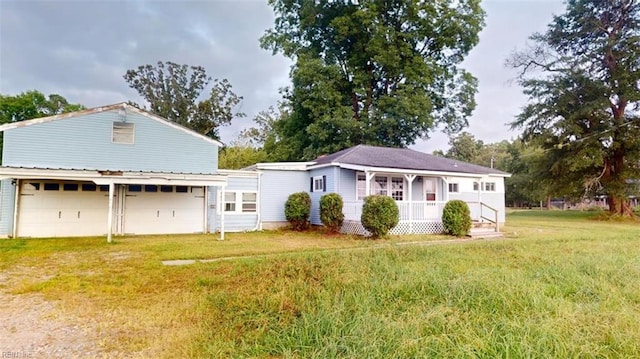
{"x": 115, "y": 107}
{"x": 401, "y": 158}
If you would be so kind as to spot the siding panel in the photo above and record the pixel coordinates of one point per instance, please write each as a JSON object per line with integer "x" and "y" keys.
{"x": 276, "y": 188}
{"x": 85, "y": 142}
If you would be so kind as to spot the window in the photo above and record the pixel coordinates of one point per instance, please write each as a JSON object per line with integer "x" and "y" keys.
{"x": 150, "y": 188}
{"x": 34, "y": 185}
{"x": 380, "y": 186}
{"x": 249, "y": 201}
{"x": 361, "y": 187}
{"x": 104, "y": 188}
{"x": 182, "y": 189}
{"x": 135, "y": 188}
{"x": 476, "y": 186}
{"x": 429, "y": 189}
{"x": 229, "y": 201}
{"x": 166, "y": 188}
{"x": 70, "y": 187}
{"x": 318, "y": 184}
{"x": 490, "y": 186}
{"x": 51, "y": 186}
{"x": 240, "y": 202}
{"x": 454, "y": 188}
{"x": 397, "y": 188}
{"x": 123, "y": 133}
{"x": 89, "y": 187}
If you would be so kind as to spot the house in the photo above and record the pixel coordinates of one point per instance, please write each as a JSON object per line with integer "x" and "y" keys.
{"x": 117, "y": 170}
{"x": 420, "y": 183}
{"x": 108, "y": 170}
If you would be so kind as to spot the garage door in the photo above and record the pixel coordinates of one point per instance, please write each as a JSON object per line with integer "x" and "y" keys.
{"x": 154, "y": 209}
{"x": 61, "y": 209}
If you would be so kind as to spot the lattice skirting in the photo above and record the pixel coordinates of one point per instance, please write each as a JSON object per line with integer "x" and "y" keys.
{"x": 418, "y": 227}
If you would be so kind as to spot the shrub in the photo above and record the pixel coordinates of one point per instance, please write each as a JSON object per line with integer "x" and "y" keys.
{"x": 331, "y": 211}
{"x": 297, "y": 210}
{"x": 456, "y": 218}
{"x": 379, "y": 215}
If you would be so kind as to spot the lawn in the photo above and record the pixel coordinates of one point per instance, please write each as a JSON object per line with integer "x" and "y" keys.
{"x": 559, "y": 285}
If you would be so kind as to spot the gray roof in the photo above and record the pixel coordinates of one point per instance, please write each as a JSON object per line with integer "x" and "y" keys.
{"x": 401, "y": 158}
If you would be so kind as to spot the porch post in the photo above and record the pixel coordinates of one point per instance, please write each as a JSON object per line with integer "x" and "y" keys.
{"x": 369, "y": 177}
{"x": 16, "y": 208}
{"x": 410, "y": 179}
{"x": 206, "y": 209}
{"x": 110, "y": 214}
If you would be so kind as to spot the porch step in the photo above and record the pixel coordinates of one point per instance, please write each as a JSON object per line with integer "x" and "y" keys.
{"x": 478, "y": 224}
{"x": 484, "y": 233}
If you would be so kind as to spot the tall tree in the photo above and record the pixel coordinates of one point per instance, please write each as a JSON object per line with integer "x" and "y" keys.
{"x": 176, "y": 92}
{"x": 582, "y": 77}
{"x": 33, "y": 104}
{"x": 382, "y": 72}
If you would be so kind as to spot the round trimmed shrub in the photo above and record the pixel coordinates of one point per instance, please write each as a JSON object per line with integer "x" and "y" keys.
{"x": 331, "y": 211}
{"x": 297, "y": 210}
{"x": 379, "y": 215}
{"x": 456, "y": 218}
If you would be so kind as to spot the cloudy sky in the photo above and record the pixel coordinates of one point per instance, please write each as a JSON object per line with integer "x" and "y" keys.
{"x": 81, "y": 49}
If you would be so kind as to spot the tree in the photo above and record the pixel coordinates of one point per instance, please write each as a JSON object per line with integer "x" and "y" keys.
{"x": 581, "y": 77}
{"x": 173, "y": 92}
{"x": 239, "y": 156}
{"x": 380, "y": 72}
{"x": 33, "y": 104}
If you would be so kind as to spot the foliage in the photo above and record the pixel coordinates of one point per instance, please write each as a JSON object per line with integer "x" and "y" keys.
{"x": 33, "y": 104}
{"x": 372, "y": 72}
{"x": 331, "y": 211}
{"x": 456, "y": 218}
{"x": 379, "y": 215}
{"x": 581, "y": 78}
{"x": 239, "y": 156}
{"x": 297, "y": 210}
{"x": 172, "y": 92}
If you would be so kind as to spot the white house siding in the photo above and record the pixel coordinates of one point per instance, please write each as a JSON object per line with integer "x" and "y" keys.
{"x": 237, "y": 221}
{"x": 85, "y": 142}
{"x": 493, "y": 199}
{"x": 7, "y": 197}
{"x": 276, "y": 186}
{"x": 330, "y": 173}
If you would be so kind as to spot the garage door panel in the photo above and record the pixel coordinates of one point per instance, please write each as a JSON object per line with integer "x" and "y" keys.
{"x": 59, "y": 213}
{"x": 164, "y": 212}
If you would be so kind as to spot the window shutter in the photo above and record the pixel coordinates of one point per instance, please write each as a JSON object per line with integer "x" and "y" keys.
{"x": 324, "y": 183}
{"x": 311, "y": 187}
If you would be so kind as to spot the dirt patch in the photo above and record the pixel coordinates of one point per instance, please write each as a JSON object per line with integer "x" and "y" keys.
{"x": 33, "y": 327}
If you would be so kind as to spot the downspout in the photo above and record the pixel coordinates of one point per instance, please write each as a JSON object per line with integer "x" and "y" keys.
{"x": 258, "y": 226}
{"x": 223, "y": 188}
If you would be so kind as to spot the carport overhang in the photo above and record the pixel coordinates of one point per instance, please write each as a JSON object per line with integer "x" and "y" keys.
{"x": 111, "y": 178}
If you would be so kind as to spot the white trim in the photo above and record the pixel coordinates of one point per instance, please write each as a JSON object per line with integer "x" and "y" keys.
{"x": 117, "y": 106}
{"x": 107, "y": 177}
{"x": 418, "y": 172}
{"x": 285, "y": 166}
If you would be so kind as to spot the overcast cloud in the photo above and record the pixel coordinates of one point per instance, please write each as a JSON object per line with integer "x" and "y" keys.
{"x": 81, "y": 50}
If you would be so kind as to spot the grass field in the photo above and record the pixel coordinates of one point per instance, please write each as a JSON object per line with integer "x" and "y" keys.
{"x": 559, "y": 285}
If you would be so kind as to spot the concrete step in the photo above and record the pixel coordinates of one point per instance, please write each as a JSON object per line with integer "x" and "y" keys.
{"x": 484, "y": 233}
{"x": 478, "y": 224}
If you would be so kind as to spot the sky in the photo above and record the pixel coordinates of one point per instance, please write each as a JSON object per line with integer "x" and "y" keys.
{"x": 81, "y": 49}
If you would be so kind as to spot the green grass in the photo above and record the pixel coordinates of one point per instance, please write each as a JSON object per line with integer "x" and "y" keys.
{"x": 560, "y": 285}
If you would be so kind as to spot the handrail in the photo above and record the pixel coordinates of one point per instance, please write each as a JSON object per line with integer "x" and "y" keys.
{"x": 495, "y": 219}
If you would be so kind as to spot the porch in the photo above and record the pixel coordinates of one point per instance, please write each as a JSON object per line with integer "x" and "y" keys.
{"x": 417, "y": 217}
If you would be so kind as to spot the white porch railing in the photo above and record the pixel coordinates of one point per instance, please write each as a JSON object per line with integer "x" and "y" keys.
{"x": 409, "y": 211}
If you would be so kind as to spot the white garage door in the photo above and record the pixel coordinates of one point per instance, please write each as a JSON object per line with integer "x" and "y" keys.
{"x": 61, "y": 209}
{"x": 154, "y": 209}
